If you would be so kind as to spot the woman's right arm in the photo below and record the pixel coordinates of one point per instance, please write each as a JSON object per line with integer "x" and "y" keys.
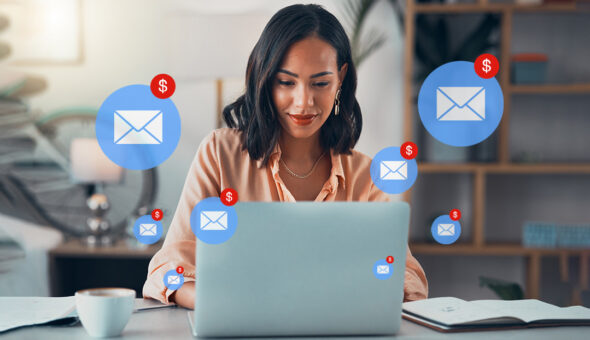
{"x": 179, "y": 246}
{"x": 185, "y": 295}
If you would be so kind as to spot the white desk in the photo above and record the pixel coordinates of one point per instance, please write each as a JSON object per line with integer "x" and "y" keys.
{"x": 172, "y": 323}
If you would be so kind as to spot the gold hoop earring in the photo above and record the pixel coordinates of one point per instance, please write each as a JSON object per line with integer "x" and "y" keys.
{"x": 337, "y": 103}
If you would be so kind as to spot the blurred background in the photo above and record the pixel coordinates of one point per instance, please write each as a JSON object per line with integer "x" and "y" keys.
{"x": 66, "y": 212}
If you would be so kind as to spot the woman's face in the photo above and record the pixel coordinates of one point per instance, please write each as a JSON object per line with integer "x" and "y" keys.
{"x": 305, "y": 86}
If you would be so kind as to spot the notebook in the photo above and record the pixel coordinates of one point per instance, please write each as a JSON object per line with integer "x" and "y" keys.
{"x": 449, "y": 314}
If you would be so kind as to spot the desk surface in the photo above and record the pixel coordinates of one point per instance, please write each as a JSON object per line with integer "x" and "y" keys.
{"x": 172, "y": 323}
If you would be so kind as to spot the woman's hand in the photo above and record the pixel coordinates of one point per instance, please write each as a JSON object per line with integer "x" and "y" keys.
{"x": 185, "y": 295}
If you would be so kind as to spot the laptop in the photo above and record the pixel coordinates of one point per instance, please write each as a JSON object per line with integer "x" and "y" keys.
{"x": 301, "y": 269}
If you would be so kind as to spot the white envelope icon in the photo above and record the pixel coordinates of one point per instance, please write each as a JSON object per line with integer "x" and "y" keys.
{"x": 173, "y": 279}
{"x": 147, "y": 229}
{"x": 138, "y": 127}
{"x": 382, "y": 269}
{"x": 394, "y": 170}
{"x": 460, "y": 103}
{"x": 213, "y": 220}
{"x": 446, "y": 230}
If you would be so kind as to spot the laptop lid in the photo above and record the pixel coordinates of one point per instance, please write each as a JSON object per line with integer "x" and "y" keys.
{"x": 304, "y": 269}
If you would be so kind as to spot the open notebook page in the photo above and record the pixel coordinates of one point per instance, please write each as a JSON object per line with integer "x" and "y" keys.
{"x": 454, "y": 311}
{"x": 534, "y": 310}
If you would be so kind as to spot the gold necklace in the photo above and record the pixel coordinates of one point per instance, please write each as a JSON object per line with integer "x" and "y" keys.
{"x": 308, "y": 173}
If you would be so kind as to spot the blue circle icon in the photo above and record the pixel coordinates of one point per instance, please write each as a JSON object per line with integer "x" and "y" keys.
{"x": 458, "y": 107}
{"x": 383, "y": 270}
{"x": 213, "y": 222}
{"x": 392, "y": 173}
{"x": 173, "y": 280}
{"x": 135, "y": 129}
{"x": 146, "y": 230}
{"x": 444, "y": 230}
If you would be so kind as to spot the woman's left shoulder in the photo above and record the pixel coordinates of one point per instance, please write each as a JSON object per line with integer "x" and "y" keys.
{"x": 356, "y": 168}
{"x": 355, "y": 160}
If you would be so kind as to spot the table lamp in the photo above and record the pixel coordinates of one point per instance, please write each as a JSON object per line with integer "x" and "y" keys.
{"x": 89, "y": 165}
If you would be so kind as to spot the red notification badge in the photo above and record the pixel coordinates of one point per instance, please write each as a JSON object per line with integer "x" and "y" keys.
{"x": 163, "y": 86}
{"x": 229, "y": 197}
{"x": 409, "y": 150}
{"x": 455, "y": 214}
{"x": 389, "y": 259}
{"x": 157, "y": 214}
{"x": 486, "y": 66}
{"x": 179, "y": 270}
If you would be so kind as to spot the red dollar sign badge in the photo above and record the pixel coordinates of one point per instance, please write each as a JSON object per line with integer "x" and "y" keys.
{"x": 409, "y": 150}
{"x": 157, "y": 214}
{"x": 455, "y": 214}
{"x": 229, "y": 197}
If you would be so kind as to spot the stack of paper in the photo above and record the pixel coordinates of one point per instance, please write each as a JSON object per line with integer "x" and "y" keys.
{"x": 27, "y": 311}
{"x": 10, "y": 250}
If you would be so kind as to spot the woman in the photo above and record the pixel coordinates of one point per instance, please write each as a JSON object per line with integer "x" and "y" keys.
{"x": 290, "y": 138}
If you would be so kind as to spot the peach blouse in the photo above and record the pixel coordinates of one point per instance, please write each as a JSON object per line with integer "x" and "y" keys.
{"x": 221, "y": 163}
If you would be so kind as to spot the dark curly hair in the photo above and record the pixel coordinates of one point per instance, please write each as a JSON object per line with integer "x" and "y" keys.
{"x": 254, "y": 113}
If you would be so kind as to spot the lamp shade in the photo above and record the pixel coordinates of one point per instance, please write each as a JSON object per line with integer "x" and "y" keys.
{"x": 90, "y": 165}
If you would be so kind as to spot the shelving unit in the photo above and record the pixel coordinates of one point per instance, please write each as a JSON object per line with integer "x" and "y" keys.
{"x": 479, "y": 171}
{"x": 485, "y": 6}
{"x": 549, "y": 89}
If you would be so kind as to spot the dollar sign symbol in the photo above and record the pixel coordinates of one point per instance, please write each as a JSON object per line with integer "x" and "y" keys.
{"x": 409, "y": 150}
{"x": 228, "y": 197}
{"x": 163, "y": 88}
{"x": 486, "y": 65}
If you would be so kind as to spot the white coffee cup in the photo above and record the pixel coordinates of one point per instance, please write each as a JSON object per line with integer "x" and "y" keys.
{"x": 104, "y": 312}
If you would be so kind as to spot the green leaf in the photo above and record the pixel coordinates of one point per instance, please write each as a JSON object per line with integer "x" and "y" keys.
{"x": 355, "y": 15}
{"x": 372, "y": 43}
{"x": 478, "y": 41}
{"x": 399, "y": 12}
{"x": 505, "y": 290}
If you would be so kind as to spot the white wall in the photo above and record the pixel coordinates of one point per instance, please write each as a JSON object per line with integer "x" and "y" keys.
{"x": 127, "y": 42}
